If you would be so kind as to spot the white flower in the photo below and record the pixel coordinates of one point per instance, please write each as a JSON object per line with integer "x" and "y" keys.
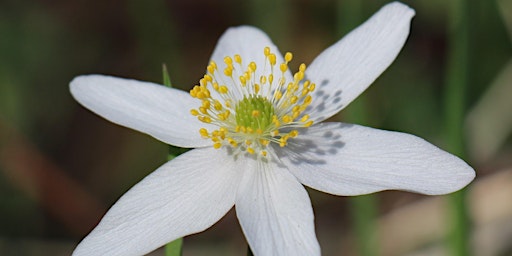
{"x": 257, "y": 133}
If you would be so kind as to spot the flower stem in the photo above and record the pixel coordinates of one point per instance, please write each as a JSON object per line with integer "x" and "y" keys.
{"x": 174, "y": 248}
{"x": 457, "y": 80}
{"x": 363, "y": 208}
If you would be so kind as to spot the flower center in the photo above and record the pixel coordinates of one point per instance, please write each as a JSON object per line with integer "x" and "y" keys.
{"x": 253, "y": 109}
{"x": 254, "y": 112}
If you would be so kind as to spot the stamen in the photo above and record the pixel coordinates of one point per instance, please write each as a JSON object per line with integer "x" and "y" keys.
{"x": 256, "y": 111}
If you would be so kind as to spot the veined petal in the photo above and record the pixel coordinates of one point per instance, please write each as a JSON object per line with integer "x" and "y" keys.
{"x": 347, "y": 159}
{"x": 249, "y": 43}
{"x": 159, "y": 111}
{"x": 347, "y": 68}
{"x": 182, "y": 197}
{"x": 275, "y": 212}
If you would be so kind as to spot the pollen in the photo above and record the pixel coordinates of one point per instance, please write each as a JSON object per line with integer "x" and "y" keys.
{"x": 253, "y": 105}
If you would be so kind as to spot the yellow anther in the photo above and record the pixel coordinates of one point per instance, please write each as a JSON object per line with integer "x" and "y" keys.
{"x": 264, "y": 153}
{"x": 302, "y": 67}
{"x": 275, "y": 120}
{"x": 288, "y": 57}
{"x": 205, "y": 104}
{"x": 256, "y": 88}
{"x": 232, "y": 142}
{"x": 217, "y": 145}
{"x": 194, "y": 112}
{"x": 210, "y": 69}
{"x": 228, "y": 71}
{"x": 203, "y": 132}
{"x": 204, "y": 119}
{"x": 283, "y": 67}
{"x": 223, "y": 89}
{"x": 308, "y": 100}
{"x": 213, "y": 64}
{"x": 298, "y": 76}
{"x": 208, "y": 78}
{"x": 228, "y": 60}
{"x": 202, "y": 82}
{"x": 238, "y": 59}
{"x": 272, "y": 59}
{"x": 270, "y": 78}
{"x": 294, "y": 99}
{"x": 308, "y": 124}
{"x": 203, "y": 110}
{"x": 279, "y": 95}
{"x": 266, "y": 51}
{"x": 287, "y": 119}
{"x": 263, "y": 79}
{"x": 304, "y": 118}
{"x": 264, "y": 142}
{"x": 252, "y": 66}
{"x": 243, "y": 81}
{"x": 293, "y": 133}
{"x": 217, "y": 105}
{"x": 250, "y": 151}
{"x": 312, "y": 87}
{"x": 248, "y": 142}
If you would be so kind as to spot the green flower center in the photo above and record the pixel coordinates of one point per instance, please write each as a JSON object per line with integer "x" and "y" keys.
{"x": 254, "y": 112}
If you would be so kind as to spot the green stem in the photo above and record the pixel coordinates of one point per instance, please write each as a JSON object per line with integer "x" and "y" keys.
{"x": 363, "y": 208}
{"x": 174, "y": 248}
{"x": 455, "y": 102}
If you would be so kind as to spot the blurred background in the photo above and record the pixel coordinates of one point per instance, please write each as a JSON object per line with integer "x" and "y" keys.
{"x": 62, "y": 167}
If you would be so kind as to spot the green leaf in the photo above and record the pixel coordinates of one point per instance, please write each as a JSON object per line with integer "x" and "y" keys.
{"x": 174, "y": 248}
{"x": 166, "y": 78}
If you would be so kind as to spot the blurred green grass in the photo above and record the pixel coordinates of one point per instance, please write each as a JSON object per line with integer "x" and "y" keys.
{"x": 44, "y": 44}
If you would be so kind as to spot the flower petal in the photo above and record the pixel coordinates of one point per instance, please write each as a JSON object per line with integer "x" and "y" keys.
{"x": 159, "y": 111}
{"x": 347, "y": 68}
{"x": 249, "y": 42}
{"x": 275, "y": 212}
{"x": 346, "y": 159}
{"x": 184, "y": 196}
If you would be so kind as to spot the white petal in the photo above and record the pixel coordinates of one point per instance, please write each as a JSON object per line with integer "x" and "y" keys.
{"x": 159, "y": 111}
{"x": 347, "y": 68}
{"x": 182, "y": 197}
{"x": 346, "y": 159}
{"x": 275, "y": 212}
{"x": 249, "y": 43}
